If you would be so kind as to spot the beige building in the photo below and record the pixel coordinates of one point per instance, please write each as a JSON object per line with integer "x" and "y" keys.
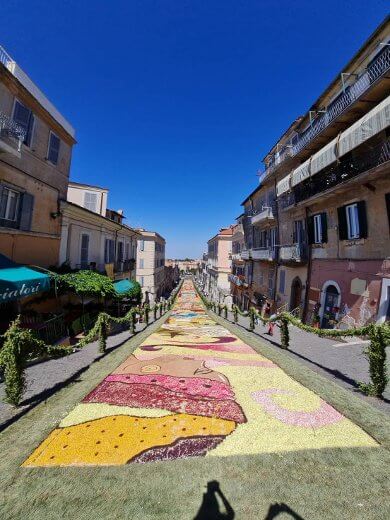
{"x": 151, "y": 265}
{"x": 35, "y": 153}
{"x": 219, "y": 265}
{"x": 94, "y": 236}
{"x": 330, "y": 172}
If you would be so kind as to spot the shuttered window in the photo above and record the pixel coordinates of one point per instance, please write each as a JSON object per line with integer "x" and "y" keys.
{"x": 84, "y": 252}
{"x": 353, "y": 221}
{"x": 16, "y": 208}
{"x": 318, "y": 229}
{"x": 24, "y": 117}
{"x": 282, "y": 281}
{"x": 90, "y": 201}
{"x": 109, "y": 249}
{"x": 53, "y": 149}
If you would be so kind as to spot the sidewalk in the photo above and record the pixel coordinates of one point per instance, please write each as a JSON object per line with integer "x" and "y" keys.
{"x": 45, "y": 378}
{"x": 345, "y": 364}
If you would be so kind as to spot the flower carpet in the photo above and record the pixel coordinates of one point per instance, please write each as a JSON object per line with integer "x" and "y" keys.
{"x": 194, "y": 389}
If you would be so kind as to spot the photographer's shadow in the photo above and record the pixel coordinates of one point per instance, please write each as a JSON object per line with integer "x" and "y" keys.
{"x": 209, "y": 509}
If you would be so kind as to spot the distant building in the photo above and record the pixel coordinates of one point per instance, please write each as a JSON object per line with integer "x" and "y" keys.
{"x": 95, "y": 237}
{"x": 238, "y": 284}
{"x": 219, "y": 264}
{"x": 35, "y": 154}
{"x": 187, "y": 265}
{"x": 151, "y": 264}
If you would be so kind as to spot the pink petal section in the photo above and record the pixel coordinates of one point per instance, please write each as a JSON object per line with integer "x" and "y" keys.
{"x": 189, "y": 385}
{"x": 323, "y": 416}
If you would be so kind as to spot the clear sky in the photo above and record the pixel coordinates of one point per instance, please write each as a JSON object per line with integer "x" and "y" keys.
{"x": 175, "y": 102}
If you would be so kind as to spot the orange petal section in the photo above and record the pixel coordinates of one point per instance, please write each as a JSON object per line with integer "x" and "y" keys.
{"x": 116, "y": 439}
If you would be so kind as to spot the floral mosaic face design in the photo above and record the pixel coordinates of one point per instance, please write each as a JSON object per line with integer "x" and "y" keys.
{"x": 193, "y": 389}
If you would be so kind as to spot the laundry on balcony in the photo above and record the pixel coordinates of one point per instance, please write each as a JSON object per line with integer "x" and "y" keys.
{"x": 18, "y": 281}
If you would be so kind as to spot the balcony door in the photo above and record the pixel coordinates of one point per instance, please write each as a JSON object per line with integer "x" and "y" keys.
{"x": 299, "y": 232}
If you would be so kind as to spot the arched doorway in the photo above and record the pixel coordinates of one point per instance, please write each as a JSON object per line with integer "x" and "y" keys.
{"x": 296, "y": 293}
{"x": 330, "y": 304}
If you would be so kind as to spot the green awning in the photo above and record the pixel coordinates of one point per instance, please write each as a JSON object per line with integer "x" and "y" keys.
{"x": 123, "y": 286}
{"x": 18, "y": 281}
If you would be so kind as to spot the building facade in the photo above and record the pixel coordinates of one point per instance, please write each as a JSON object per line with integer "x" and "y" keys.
{"x": 219, "y": 265}
{"x": 329, "y": 173}
{"x": 238, "y": 284}
{"x": 95, "y": 237}
{"x": 151, "y": 265}
{"x": 35, "y": 154}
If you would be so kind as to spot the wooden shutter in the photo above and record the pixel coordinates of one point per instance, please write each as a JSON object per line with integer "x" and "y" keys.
{"x": 363, "y": 229}
{"x": 24, "y": 118}
{"x": 26, "y": 212}
{"x": 324, "y": 226}
{"x": 54, "y": 148}
{"x": 84, "y": 250}
{"x": 310, "y": 229}
{"x": 343, "y": 227}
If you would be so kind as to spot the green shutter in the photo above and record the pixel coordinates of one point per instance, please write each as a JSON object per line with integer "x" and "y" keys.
{"x": 324, "y": 226}
{"x": 363, "y": 228}
{"x": 343, "y": 227}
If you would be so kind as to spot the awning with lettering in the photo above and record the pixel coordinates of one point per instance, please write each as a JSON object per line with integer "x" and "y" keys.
{"x": 18, "y": 281}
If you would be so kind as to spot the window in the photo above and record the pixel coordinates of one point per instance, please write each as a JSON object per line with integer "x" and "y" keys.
{"x": 318, "y": 229}
{"x": 109, "y": 249}
{"x": 90, "y": 201}
{"x": 120, "y": 252}
{"x": 127, "y": 255}
{"x": 282, "y": 281}
{"x": 53, "y": 148}
{"x": 9, "y": 205}
{"x": 141, "y": 245}
{"x": 141, "y": 281}
{"x": 24, "y": 117}
{"x": 353, "y": 221}
{"x": 16, "y": 208}
{"x": 141, "y": 263}
{"x": 84, "y": 252}
{"x": 272, "y": 238}
{"x": 298, "y": 234}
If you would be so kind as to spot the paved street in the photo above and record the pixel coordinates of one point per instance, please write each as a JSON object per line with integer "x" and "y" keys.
{"x": 193, "y": 388}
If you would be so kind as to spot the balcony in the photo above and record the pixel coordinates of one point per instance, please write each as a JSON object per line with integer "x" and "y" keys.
{"x": 11, "y": 136}
{"x": 266, "y": 215}
{"x": 236, "y": 256}
{"x": 294, "y": 254}
{"x": 245, "y": 254}
{"x": 378, "y": 68}
{"x": 368, "y": 157}
{"x": 263, "y": 253}
{"x": 352, "y": 94}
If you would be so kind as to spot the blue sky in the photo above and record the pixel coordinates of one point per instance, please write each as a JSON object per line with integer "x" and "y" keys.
{"x": 175, "y": 103}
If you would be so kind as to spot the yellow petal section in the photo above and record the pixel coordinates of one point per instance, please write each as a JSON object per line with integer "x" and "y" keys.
{"x": 117, "y": 439}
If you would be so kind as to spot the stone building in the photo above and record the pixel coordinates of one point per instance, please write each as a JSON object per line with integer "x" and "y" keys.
{"x": 330, "y": 174}
{"x": 35, "y": 153}
{"x": 151, "y": 265}
{"x": 219, "y": 265}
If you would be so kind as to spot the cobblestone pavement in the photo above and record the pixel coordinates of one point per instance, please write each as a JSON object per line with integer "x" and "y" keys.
{"x": 192, "y": 388}
{"x": 343, "y": 363}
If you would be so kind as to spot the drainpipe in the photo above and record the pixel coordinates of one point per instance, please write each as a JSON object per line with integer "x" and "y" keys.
{"x": 308, "y": 277}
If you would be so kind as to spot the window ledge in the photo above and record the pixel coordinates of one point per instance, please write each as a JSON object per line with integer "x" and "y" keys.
{"x": 354, "y": 242}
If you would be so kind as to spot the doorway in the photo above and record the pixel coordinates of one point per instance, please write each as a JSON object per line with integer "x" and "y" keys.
{"x": 296, "y": 293}
{"x": 330, "y": 307}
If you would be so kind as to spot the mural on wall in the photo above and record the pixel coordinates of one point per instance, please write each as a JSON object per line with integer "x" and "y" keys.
{"x": 193, "y": 389}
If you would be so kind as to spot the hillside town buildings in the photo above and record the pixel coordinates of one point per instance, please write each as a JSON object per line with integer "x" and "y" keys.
{"x": 316, "y": 229}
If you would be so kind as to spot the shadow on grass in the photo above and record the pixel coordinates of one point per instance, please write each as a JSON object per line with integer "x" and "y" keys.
{"x": 210, "y": 509}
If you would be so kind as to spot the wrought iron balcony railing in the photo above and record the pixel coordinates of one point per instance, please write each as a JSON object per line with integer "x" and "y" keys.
{"x": 379, "y": 67}
{"x": 294, "y": 253}
{"x": 338, "y": 173}
{"x": 12, "y": 135}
